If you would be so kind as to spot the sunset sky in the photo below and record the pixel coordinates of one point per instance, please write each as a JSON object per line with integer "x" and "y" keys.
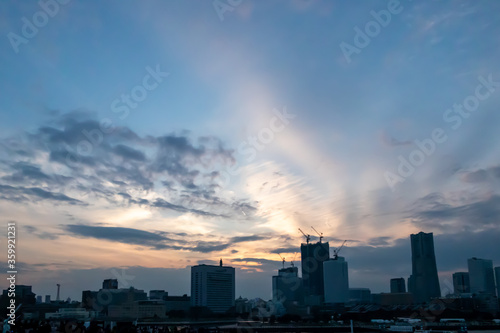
{"x": 142, "y": 138}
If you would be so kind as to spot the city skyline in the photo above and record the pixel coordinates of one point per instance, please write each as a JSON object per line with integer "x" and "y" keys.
{"x": 137, "y": 141}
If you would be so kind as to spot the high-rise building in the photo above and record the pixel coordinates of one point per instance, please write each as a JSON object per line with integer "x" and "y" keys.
{"x": 398, "y": 285}
{"x": 424, "y": 278}
{"x": 481, "y": 276}
{"x": 287, "y": 286}
{"x": 497, "y": 279}
{"x": 312, "y": 258}
{"x": 461, "y": 283}
{"x": 213, "y": 287}
{"x": 110, "y": 284}
{"x": 336, "y": 280}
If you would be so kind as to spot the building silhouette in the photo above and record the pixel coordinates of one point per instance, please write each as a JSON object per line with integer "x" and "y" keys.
{"x": 287, "y": 286}
{"x": 461, "y": 283}
{"x": 497, "y": 279}
{"x": 336, "y": 280}
{"x": 424, "y": 282}
{"x": 398, "y": 285}
{"x": 481, "y": 276}
{"x": 312, "y": 258}
{"x": 213, "y": 287}
{"x": 110, "y": 284}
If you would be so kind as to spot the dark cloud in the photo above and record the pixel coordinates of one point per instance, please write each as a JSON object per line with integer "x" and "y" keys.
{"x": 481, "y": 175}
{"x": 129, "y": 153}
{"x": 154, "y": 240}
{"x": 85, "y": 157}
{"x": 22, "y": 194}
{"x": 433, "y": 211}
{"x": 252, "y": 238}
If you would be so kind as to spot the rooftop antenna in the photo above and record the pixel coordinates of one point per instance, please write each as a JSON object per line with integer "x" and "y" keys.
{"x": 319, "y": 234}
{"x": 283, "y": 259}
{"x": 308, "y": 237}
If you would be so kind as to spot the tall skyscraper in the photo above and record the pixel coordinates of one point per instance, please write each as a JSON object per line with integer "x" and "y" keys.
{"x": 287, "y": 286}
{"x": 336, "y": 279}
{"x": 312, "y": 258}
{"x": 213, "y": 287}
{"x": 461, "y": 283}
{"x": 497, "y": 279}
{"x": 424, "y": 278}
{"x": 481, "y": 276}
{"x": 398, "y": 285}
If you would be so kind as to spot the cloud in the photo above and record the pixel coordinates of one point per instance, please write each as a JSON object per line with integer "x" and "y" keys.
{"x": 433, "y": 211}
{"x": 481, "y": 175}
{"x": 22, "y": 194}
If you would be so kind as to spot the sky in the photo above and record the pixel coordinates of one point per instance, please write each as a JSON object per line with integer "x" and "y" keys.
{"x": 138, "y": 139}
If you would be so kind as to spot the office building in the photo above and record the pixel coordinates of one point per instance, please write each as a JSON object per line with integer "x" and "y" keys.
{"x": 110, "y": 284}
{"x": 157, "y": 294}
{"x": 47, "y": 298}
{"x": 481, "y": 276}
{"x": 336, "y": 280}
{"x": 424, "y": 278}
{"x": 287, "y": 286}
{"x": 213, "y": 287}
{"x": 312, "y": 258}
{"x": 398, "y": 285}
{"x": 497, "y": 279}
{"x": 360, "y": 295}
{"x": 461, "y": 283}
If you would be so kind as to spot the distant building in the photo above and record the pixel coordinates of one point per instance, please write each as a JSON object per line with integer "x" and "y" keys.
{"x": 497, "y": 277}
{"x": 39, "y": 299}
{"x": 157, "y": 294}
{"x": 392, "y": 298}
{"x": 177, "y": 303}
{"x": 110, "y": 284}
{"x": 398, "y": 285}
{"x": 47, "y": 298}
{"x": 213, "y": 287}
{"x": 481, "y": 276}
{"x": 100, "y": 300}
{"x": 424, "y": 278}
{"x": 138, "y": 310}
{"x": 312, "y": 258}
{"x": 360, "y": 295}
{"x": 336, "y": 280}
{"x": 287, "y": 286}
{"x": 461, "y": 283}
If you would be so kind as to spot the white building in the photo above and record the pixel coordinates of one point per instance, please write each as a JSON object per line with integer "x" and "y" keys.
{"x": 213, "y": 287}
{"x": 336, "y": 280}
{"x": 481, "y": 276}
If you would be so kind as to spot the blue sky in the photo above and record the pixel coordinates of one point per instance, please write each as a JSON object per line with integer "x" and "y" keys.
{"x": 329, "y": 132}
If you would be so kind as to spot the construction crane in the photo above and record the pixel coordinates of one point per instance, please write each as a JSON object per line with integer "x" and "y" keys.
{"x": 336, "y": 251}
{"x": 283, "y": 259}
{"x": 319, "y": 234}
{"x": 294, "y": 255}
{"x": 308, "y": 237}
